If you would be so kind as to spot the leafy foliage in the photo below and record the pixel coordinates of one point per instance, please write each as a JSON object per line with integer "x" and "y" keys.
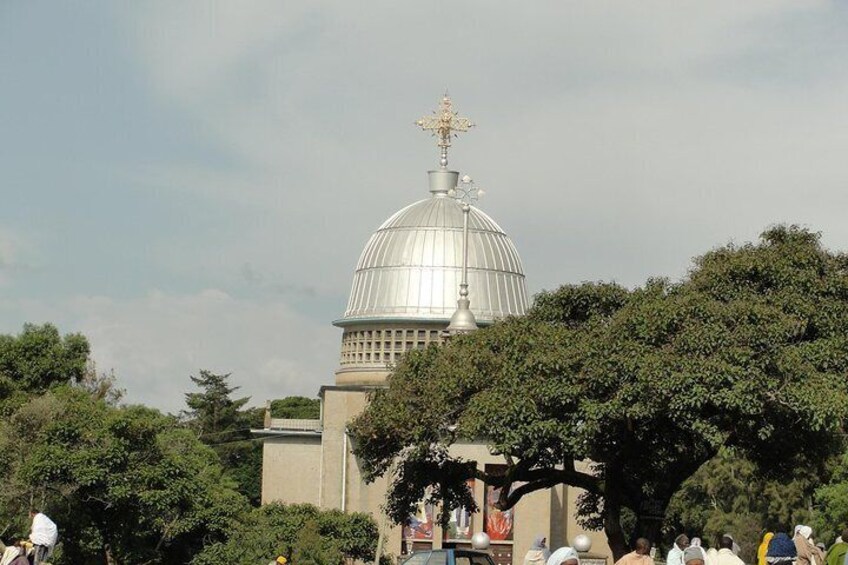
{"x": 216, "y": 416}
{"x": 295, "y": 530}
{"x": 296, "y": 407}
{"x": 649, "y": 384}
{"x": 224, "y": 424}
{"x": 730, "y": 494}
{"x": 36, "y": 360}
{"x": 127, "y": 483}
{"x": 312, "y": 549}
{"x": 831, "y": 514}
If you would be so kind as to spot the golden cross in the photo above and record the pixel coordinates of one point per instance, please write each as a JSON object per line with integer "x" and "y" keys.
{"x": 444, "y": 123}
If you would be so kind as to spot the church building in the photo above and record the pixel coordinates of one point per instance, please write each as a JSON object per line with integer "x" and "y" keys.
{"x": 436, "y": 267}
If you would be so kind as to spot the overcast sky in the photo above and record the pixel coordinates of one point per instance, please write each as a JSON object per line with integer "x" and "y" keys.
{"x": 190, "y": 184}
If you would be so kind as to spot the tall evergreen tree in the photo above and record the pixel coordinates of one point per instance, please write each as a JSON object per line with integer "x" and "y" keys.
{"x": 212, "y": 411}
{"x": 224, "y": 424}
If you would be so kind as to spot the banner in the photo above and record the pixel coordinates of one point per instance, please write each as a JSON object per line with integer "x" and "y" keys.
{"x": 460, "y": 527}
{"x": 498, "y": 524}
{"x": 419, "y": 526}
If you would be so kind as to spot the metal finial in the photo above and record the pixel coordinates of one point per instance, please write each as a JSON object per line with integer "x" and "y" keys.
{"x": 444, "y": 123}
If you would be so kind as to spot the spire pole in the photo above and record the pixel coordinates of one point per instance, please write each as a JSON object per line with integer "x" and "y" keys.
{"x": 463, "y": 320}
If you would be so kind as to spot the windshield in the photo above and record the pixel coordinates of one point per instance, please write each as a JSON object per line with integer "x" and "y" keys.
{"x": 463, "y": 558}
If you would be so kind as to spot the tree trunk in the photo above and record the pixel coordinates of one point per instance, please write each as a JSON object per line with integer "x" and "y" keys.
{"x": 648, "y": 528}
{"x": 615, "y": 537}
{"x": 612, "y": 517}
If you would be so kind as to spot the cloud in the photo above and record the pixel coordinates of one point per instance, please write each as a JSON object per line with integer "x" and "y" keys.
{"x": 154, "y": 342}
{"x": 604, "y": 127}
{"x": 16, "y": 255}
{"x": 615, "y": 140}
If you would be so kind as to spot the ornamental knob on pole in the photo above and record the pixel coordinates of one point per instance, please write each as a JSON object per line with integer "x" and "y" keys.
{"x": 582, "y": 543}
{"x": 480, "y": 541}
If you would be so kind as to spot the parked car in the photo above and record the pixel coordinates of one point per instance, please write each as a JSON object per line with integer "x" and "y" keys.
{"x": 449, "y": 557}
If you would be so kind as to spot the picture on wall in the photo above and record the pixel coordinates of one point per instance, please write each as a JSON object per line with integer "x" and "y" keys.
{"x": 460, "y": 527}
{"x": 419, "y": 526}
{"x": 499, "y": 524}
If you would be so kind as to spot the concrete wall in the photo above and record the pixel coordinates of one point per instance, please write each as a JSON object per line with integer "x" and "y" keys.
{"x": 289, "y": 468}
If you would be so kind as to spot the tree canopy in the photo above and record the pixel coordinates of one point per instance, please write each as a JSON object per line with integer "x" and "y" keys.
{"x": 37, "y": 359}
{"x": 730, "y": 494}
{"x": 124, "y": 483}
{"x": 749, "y": 351}
{"x": 831, "y": 503}
{"x": 128, "y": 484}
{"x": 224, "y": 423}
{"x": 301, "y": 530}
{"x": 296, "y": 407}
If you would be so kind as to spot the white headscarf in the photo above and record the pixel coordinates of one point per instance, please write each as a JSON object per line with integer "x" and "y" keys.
{"x": 696, "y": 542}
{"x": 735, "y": 549}
{"x": 563, "y": 554}
{"x": 805, "y": 531}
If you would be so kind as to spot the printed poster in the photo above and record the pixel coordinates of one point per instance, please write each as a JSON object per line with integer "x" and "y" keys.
{"x": 419, "y": 526}
{"x": 498, "y": 524}
{"x": 460, "y": 525}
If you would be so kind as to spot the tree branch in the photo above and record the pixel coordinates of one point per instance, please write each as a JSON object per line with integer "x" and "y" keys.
{"x": 536, "y": 479}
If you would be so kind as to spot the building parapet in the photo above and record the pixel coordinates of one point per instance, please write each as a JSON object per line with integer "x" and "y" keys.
{"x": 295, "y": 425}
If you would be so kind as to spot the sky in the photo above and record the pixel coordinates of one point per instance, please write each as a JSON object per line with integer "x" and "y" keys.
{"x": 190, "y": 184}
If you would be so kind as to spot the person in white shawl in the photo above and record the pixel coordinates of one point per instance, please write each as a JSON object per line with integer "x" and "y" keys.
{"x": 10, "y": 553}
{"x": 564, "y": 556}
{"x": 538, "y": 553}
{"x": 675, "y": 554}
{"x": 696, "y": 543}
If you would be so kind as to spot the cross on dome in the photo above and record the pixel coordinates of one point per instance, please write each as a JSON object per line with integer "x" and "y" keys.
{"x": 444, "y": 123}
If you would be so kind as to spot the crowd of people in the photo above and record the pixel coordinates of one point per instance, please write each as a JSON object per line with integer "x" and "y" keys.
{"x": 37, "y": 548}
{"x": 775, "y": 549}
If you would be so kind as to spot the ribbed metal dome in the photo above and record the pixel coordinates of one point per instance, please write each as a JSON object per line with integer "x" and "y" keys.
{"x": 411, "y": 267}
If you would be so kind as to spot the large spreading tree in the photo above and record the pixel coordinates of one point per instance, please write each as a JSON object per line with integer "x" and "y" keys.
{"x": 627, "y": 393}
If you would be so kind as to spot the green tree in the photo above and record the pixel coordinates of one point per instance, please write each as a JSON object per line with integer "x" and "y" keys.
{"x": 649, "y": 384}
{"x": 224, "y": 424}
{"x": 730, "y": 494}
{"x": 213, "y": 412}
{"x": 313, "y": 549}
{"x": 296, "y": 407}
{"x": 37, "y": 359}
{"x": 125, "y": 485}
{"x": 277, "y": 529}
{"x": 831, "y": 508}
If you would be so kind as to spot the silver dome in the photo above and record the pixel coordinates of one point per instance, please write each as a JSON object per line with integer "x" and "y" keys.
{"x": 411, "y": 267}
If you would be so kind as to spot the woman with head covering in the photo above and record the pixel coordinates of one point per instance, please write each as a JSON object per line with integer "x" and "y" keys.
{"x": 836, "y": 553}
{"x": 781, "y": 550}
{"x": 564, "y": 556}
{"x": 736, "y": 549}
{"x": 763, "y": 549}
{"x": 808, "y": 554}
{"x": 538, "y": 553}
{"x": 693, "y": 555}
{"x": 675, "y": 554}
{"x": 698, "y": 544}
